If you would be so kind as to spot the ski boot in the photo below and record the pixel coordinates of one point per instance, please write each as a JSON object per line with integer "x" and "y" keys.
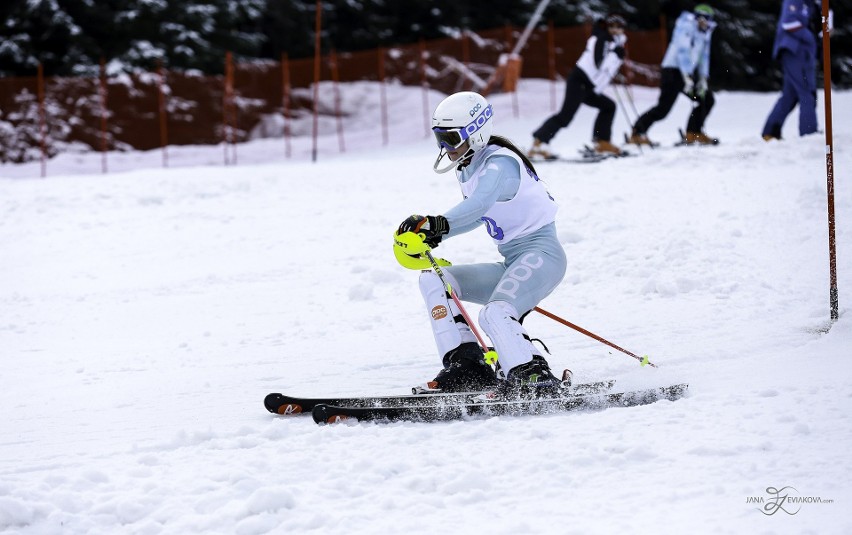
{"x": 640, "y": 139}
{"x": 771, "y": 133}
{"x": 465, "y": 370}
{"x": 699, "y": 138}
{"x": 541, "y": 151}
{"x": 530, "y": 380}
{"x": 605, "y": 148}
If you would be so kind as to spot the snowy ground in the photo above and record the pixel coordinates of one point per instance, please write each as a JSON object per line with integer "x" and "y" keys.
{"x": 145, "y": 314}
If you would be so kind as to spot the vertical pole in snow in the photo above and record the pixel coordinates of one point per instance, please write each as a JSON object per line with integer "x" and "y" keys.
{"x": 225, "y": 110}
{"x": 161, "y": 112}
{"x": 465, "y": 57}
{"x": 829, "y": 164}
{"x": 226, "y": 100}
{"x": 425, "y": 85}
{"x": 285, "y": 100}
{"x": 102, "y": 93}
{"x": 42, "y": 128}
{"x": 507, "y": 29}
{"x": 383, "y": 95}
{"x": 335, "y": 78}
{"x": 551, "y": 63}
{"x": 317, "y": 30}
{"x": 232, "y": 110}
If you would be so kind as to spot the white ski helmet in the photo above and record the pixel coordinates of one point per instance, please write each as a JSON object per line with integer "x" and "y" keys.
{"x": 461, "y": 117}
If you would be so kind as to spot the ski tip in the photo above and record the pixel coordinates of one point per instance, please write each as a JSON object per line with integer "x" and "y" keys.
{"x": 275, "y": 404}
{"x": 272, "y": 401}
{"x": 326, "y": 414}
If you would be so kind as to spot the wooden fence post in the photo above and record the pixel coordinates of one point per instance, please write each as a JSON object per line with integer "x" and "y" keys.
{"x": 465, "y": 58}
{"x": 285, "y": 98}
{"x": 551, "y": 63}
{"x": 162, "y": 111}
{"x": 317, "y": 44}
{"x": 335, "y": 79}
{"x": 383, "y": 97}
{"x": 228, "y": 111}
{"x": 425, "y": 85}
{"x": 102, "y": 92}
{"x": 42, "y": 127}
{"x": 513, "y": 71}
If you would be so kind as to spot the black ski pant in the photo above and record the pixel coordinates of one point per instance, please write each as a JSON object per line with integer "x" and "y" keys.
{"x": 579, "y": 90}
{"x": 671, "y": 84}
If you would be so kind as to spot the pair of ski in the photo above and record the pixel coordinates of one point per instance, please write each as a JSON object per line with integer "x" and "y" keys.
{"x": 587, "y": 155}
{"x": 433, "y": 407}
{"x": 590, "y": 155}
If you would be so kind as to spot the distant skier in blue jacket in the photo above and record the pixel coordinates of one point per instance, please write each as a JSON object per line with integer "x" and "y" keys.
{"x": 685, "y": 69}
{"x": 795, "y": 47}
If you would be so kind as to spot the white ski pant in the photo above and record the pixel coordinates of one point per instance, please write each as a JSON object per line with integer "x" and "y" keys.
{"x": 506, "y": 292}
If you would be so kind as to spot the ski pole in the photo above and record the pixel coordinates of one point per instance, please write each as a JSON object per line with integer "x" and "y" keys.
{"x": 643, "y": 360}
{"x": 629, "y": 92}
{"x": 621, "y": 104}
{"x": 490, "y": 354}
{"x": 624, "y": 112}
{"x": 630, "y": 67}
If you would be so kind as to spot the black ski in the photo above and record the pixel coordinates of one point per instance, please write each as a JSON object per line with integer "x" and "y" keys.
{"x": 589, "y": 152}
{"x": 454, "y": 410}
{"x": 581, "y": 159}
{"x": 587, "y": 155}
{"x": 290, "y": 405}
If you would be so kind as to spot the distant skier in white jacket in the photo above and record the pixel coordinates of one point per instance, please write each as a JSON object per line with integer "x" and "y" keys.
{"x": 594, "y": 71}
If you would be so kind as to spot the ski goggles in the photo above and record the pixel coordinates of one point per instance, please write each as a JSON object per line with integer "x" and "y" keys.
{"x": 449, "y": 138}
{"x": 453, "y": 138}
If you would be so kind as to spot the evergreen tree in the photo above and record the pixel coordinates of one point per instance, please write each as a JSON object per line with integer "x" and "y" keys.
{"x": 70, "y": 36}
{"x": 37, "y": 32}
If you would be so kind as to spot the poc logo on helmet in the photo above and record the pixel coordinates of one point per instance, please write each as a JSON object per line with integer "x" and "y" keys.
{"x": 475, "y": 109}
{"x": 480, "y": 120}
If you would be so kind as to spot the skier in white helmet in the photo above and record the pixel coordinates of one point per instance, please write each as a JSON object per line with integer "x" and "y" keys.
{"x": 502, "y": 193}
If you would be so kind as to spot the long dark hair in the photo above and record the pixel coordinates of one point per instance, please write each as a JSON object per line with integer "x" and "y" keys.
{"x": 501, "y": 141}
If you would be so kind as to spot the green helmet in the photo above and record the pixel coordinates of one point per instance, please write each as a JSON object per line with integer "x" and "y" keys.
{"x": 703, "y": 10}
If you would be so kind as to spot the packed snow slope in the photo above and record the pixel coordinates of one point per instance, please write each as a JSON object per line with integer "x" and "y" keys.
{"x": 145, "y": 314}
